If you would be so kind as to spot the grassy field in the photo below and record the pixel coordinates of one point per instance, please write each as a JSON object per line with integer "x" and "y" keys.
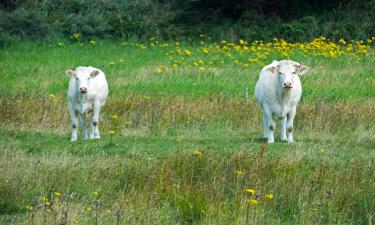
{"x": 187, "y": 145}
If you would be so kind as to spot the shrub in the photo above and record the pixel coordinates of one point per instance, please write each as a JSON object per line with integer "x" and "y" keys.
{"x": 24, "y": 23}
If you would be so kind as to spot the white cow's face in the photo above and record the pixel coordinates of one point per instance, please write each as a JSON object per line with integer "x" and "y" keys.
{"x": 286, "y": 76}
{"x": 286, "y": 71}
{"x": 82, "y": 82}
{"x": 82, "y": 79}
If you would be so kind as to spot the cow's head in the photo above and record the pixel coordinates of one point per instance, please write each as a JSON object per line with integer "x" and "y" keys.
{"x": 82, "y": 78}
{"x": 286, "y": 70}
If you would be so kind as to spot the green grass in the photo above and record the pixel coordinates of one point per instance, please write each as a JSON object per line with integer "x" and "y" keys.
{"x": 149, "y": 171}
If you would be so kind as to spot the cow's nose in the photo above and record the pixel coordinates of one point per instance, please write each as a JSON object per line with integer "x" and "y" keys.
{"x": 83, "y": 90}
{"x": 288, "y": 84}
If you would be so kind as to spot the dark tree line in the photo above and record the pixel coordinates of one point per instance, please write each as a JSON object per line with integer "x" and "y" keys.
{"x": 296, "y": 20}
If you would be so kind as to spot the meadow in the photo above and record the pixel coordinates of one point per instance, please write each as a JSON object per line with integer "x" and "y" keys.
{"x": 181, "y": 135}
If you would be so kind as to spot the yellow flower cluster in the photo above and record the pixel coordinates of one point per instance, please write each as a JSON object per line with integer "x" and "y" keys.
{"x": 255, "y": 198}
{"x": 258, "y": 52}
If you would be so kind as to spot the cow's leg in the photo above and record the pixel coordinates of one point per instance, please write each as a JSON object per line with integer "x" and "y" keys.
{"x": 289, "y": 124}
{"x": 95, "y": 121}
{"x": 271, "y": 125}
{"x": 74, "y": 120}
{"x": 83, "y": 124}
{"x": 265, "y": 125}
{"x": 283, "y": 129}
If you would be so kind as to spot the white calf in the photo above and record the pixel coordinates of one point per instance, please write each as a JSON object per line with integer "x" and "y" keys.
{"x": 278, "y": 92}
{"x": 87, "y": 92}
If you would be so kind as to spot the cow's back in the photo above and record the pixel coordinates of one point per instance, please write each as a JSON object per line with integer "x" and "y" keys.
{"x": 100, "y": 86}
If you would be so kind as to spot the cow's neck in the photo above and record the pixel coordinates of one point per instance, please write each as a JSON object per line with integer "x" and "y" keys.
{"x": 83, "y": 100}
{"x": 283, "y": 96}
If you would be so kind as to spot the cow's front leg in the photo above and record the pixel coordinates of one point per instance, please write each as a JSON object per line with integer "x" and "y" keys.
{"x": 94, "y": 132}
{"x": 83, "y": 124}
{"x": 74, "y": 119}
{"x": 271, "y": 125}
{"x": 289, "y": 124}
{"x": 283, "y": 129}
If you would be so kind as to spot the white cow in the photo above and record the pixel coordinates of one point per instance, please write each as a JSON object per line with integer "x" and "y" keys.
{"x": 87, "y": 92}
{"x": 278, "y": 92}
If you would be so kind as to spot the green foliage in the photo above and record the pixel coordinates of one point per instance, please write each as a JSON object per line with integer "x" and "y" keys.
{"x": 294, "y": 21}
{"x": 24, "y": 23}
{"x": 91, "y": 26}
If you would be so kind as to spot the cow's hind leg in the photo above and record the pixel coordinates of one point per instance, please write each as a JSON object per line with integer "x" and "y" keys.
{"x": 92, "y": 128}
{"x": 289, "y": 125}
{"x": 95, "y": 121}
{"x": 265, "y": 126}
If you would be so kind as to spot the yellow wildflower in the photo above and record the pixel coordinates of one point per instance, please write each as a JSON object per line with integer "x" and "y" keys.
{"x": 93, "y": 42}
{"x": 76, "y": 35}
{"x": 250, "y": 191}
{"x": 95, "y": 193}
{"x": 252, "y": 202}
{"x": 111, "y": 132}
{"x": 29, "y": 207}
{"x": 342, "y": 41}
{"x": 197, "y": 153}
{"x": 111, "y": 63}
{"x": 239, "y": 173}
{"x": 51, "y": 96}
{"x": 187, "y": 52}
{"x": 269, "y": 196}
{"x": 57, "y": 194}
{"x": 242, "y": 42}
{"x": 205, "y": 50}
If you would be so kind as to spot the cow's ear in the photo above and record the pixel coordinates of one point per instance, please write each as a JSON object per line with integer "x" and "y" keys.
{"x": 70, "y": 73}
{"x": 302, "y": 69}
{"x": 94, "y": 73}
{"x": 274, "y": 69}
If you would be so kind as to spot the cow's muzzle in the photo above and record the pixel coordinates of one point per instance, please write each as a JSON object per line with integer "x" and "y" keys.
{"x": 83, "y": 90}
{"x": 287, "y": 86}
